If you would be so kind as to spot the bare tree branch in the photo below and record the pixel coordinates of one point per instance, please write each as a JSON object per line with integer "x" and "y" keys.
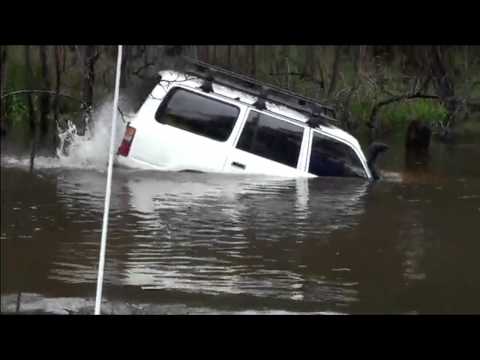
{"x": 141, "y": 68}
{"x": 376, "y": 108}
{"x": 51, "y": 92}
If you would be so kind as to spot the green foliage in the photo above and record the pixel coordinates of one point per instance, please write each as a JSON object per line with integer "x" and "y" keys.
{"x": 424, "y": 110}
{"x": 376, "y": 73}
{"x": 16, "y": 76}
{"x": 400, "y": 113}
{"x": 361, "y": 109}
{"x": 16, "y": 108}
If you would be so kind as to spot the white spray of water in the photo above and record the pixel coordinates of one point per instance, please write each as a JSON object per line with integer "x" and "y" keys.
{"x": 91, "y": 149}
{"x": 75, "y": 151}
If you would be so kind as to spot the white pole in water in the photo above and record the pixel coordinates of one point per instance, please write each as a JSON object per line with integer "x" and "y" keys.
{"x": 106, "y": 210}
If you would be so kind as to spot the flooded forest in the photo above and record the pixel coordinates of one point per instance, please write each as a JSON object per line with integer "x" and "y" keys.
{"x": 204, "y": 243}
{"x": 377, "y": 89}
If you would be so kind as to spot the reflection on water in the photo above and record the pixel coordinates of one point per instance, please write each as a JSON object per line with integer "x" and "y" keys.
{"x": 205, "y": 234}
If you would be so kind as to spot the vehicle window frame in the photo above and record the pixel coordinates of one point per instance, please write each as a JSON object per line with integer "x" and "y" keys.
{"x": 171, "y": 92}
{"x": 303, "y": 145}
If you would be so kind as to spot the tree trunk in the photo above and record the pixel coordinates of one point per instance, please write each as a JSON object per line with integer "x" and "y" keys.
{"x": 89, "y": 74}
{"x": 465, "y": 55}
{"x": 287, "y": 63}
{"x": 363, "y": 58}
{"x": 345, "y": 119}
{"x": 31, "y": 113}
{"x": 58, "y": 81}
{"x": 253, "y": 61}
{"x": 29, "y": 83}
{"x": 90, "y": 57}
{"x": 336, "y": 61}
{"x": 445, "y": 87}
{"x": 18, "y": 302}
{"x": 44, "y": 99}
{"x": 203, "y": 52}
{"x": 124, "y": 67}
{"x": 310, "y": 61}
{"x": 466, "y": 76}
{"x": 314, "y": 71}
{"x": 208, "y": 52}
{"x": 3, "y": 88}
{"x": 194, "y": 51}
{"x": 318, "y": 71}
{"x": 273, "y": 64}
{"x": 63, "y": 52}
{"x": 284, "y": 51}
{"x": 229, "y": 57}
{"x": 214, "y": 54}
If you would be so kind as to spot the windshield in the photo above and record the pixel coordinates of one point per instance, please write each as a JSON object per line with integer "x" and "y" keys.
{"x": 330, "y": 157}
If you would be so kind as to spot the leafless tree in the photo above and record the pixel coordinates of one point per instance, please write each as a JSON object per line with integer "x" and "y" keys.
{"x": 124, "y": 69}
{"x": 58, "y": 80}
{"x": 45, "y": 98}
{"x": 336, "y": 61}
{"x": 253, "y": 60}
{"x": 29, "y": 84}
{"x": 229, "y": 56}
{"x": 89, "y": 60}
{"x": 444, "y": 85}
{"x": 3, "y": 86}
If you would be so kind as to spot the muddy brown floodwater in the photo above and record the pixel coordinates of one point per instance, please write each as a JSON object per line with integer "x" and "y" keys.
{"x": 202, "y": 243}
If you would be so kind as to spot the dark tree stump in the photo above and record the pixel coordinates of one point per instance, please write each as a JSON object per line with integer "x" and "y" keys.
{"x": 417, "y": 144}
{"x": 418, "y": 136}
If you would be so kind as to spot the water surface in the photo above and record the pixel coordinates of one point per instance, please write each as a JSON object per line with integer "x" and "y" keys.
{"x": 209, "y": 243}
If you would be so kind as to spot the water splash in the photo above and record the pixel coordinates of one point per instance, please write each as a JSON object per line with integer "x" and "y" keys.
{"x": 77, "y": 151}
{"x": 91, "y": 149}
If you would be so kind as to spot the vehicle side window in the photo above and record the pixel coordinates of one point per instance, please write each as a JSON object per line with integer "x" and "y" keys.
{"x": 272, "y": 138}
{"x": 333, "y": 158}
{"x": 198, "y": 114}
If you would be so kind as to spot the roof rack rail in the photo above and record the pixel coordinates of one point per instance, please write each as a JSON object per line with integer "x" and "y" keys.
{"x": 262, "y": 90}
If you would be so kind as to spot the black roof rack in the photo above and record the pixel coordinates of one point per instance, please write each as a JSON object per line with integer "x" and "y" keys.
{"x": 318, "y": 113}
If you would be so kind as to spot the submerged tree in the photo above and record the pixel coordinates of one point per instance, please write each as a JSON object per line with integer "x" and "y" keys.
{"x": 90, "y": 57}
{"x": 363, "y": 82}
{"x": 3, "y": 87}
{"x": 45, "y": 98}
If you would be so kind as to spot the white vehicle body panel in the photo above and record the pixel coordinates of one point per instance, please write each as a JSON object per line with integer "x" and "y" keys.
{"x": 164, "y": 147}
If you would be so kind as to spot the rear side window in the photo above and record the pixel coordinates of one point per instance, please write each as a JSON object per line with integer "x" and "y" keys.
{"x": 333, "y": 158}
{"x": 198, "y": 114}
{"x": 272, "y": 138}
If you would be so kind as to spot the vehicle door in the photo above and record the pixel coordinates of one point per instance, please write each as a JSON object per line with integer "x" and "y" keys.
{"x": 267, "y": 145}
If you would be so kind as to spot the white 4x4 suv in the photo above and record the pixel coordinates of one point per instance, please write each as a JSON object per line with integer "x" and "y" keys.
{"x": 195, "y": 123}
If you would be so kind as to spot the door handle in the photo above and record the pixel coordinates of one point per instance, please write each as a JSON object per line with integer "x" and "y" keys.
{"x": 236, "y": 164}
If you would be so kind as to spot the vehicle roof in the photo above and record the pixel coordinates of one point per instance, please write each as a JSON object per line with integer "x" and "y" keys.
{"x": 171, "y": 77}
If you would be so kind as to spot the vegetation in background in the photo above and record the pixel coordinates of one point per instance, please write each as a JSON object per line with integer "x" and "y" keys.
{"x": 374, "y": 88}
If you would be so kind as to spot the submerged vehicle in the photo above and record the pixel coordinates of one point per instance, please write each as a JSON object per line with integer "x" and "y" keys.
{"x": 208, "y": 119}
